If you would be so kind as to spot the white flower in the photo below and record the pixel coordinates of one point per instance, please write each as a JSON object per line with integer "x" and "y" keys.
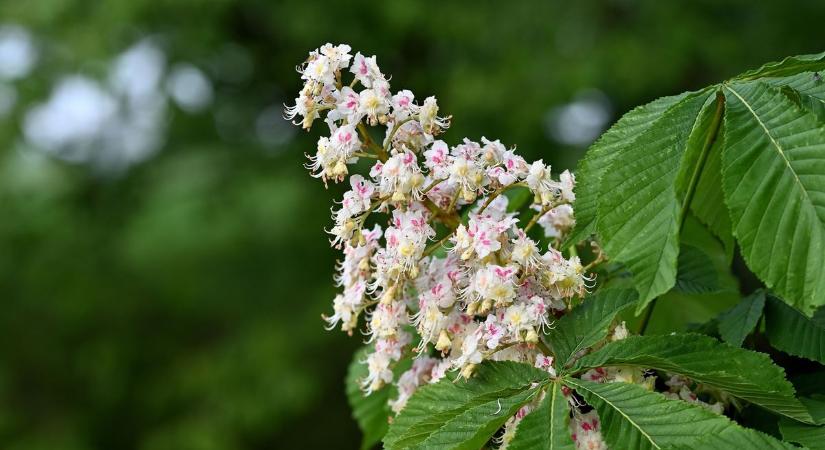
{"x": 357, "y": 200}
{"x": 620, "y": 332}
{"x": 537, "y": 313}
{"x": 585, "y": 431}
{"x": 558, "y": 221}
{"x": 345, "y": 141}
{"x": 387, "y": 319}
{"x": 525, "y": 251}
{"x": 429, "y": 119}
{"x": 540, "y": 182}
{"x": 470, "y": 351}
{"x": 407, "y": 239}
{"x": 338, "y": 55}
{"x": 348, "y": 105}
{"x": 544, "y": 362}
{"x": 493, "y": 331}
{"x": 319, "y": 68}
{"x": 517, "y": 319}
{"x": 365, "y": 69}
{"x": 403, "y": 105}
{"x": 468, "y": 176}
{"x": 409, "y": 134}
{"x": 483, "y": 234}
{"x": 439, "y": 370}
{"x": 566, "y": 184}
{"x": 492, "y": 152}
{"x": 399, "y": 178}
{"x": 437, "y": 160}
{"x": 379, "y": 363}
{"x": 373, "y": 105}
{"x": 409, "y": 381}
{"x": 494, "y": 283}
{"x": 515, "y": 165}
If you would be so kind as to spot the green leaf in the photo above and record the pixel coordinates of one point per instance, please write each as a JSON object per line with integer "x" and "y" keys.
{"x": 789, "y": 66}
{"x": 370, "y": 411}
{"x": 614, "y": 142}
{"x": 819, "y": 316}
{"x": 466, "y": 413}
{"x": 773, "y": 170}
{"x": 792, "y": 332}
{"x": 741, "y": 373}
{"x": 816, "y": 406}
{"x": 735, "y": 437}
{"x": 587, "y": 324}
{"x": 695, "y": 273}
{"x": 737, "y": 323}
{"x": 811, "y": 436}
{"x": 546, "y": 427}
{"x": 805, "y": 89}
{"x": 708, "y": 204}
{"x": 639, "y": 211}
{"x": 634, "y": 418}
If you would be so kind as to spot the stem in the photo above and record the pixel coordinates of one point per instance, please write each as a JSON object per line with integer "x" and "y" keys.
{"x": 536, "y": 218}
{"x": 365, "y": 155}
{"x": 434, "y": 183}
{"x": 362, "y": 130}
{"x": 450, "y": 220}
{"x": 692, "y": 184}
{"x": 392, "y": 134}
{"x": 495, "y": 194}
{"x": 434, "y": 247}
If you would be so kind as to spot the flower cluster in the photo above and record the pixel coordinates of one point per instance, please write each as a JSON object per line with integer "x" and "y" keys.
{"x": 449, "y": 287}
{"x": 438, "y": 261}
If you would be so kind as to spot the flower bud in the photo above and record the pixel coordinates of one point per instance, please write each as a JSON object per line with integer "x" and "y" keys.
{"x": 468, "y": 370}
{"x": 389, "y": 295}
{"x": 444, "y": 342}
{"x": 472, "y": 308}
{"x": 468, "y": 195}
{"x": 340, "y": 169}
{"x": 532, "y": 337}
{"x": 376, "y": 384}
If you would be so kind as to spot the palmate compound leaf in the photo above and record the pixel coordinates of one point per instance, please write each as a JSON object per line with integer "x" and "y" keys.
{"x": 634, "y": 418}
{"x": 587, "y": 323}
{"x": 612, "y": 144}
{"x": 546, "y": 427}
{"x": 744, "y": 374}
{"x": 773, "y": 169}
{"x": 738, "y": 322}
{"x": 640, "y": 210}
{"x": 792, "y": 332}
{"x": 465, "y": 414}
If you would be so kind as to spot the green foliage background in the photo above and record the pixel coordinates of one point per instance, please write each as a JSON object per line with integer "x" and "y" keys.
{"x": 176, "y": 305}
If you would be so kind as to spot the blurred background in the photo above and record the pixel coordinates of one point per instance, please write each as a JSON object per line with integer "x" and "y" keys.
{"x": 163, "y": 265}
